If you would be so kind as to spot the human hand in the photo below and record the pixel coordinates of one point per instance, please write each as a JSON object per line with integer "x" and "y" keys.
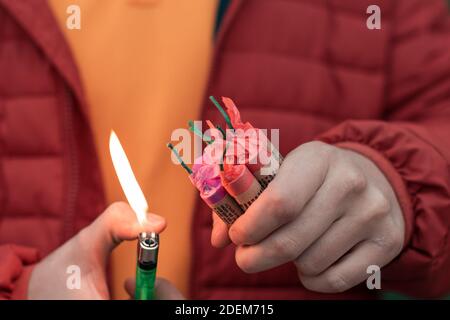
{"x": 329, "y": 210}
{"x": 89, "y": 250}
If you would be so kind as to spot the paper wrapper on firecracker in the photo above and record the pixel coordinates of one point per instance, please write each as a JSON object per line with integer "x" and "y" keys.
{"x": 264, "y": 173}
{"x": 222, "y": 204}
{"x": 241, "y": 184}
{"x": 207, "y": 181}
{"x": 257, "y": 147}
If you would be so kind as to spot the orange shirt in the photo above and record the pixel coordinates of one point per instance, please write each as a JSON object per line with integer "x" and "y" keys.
{"x": 144, "y": 64}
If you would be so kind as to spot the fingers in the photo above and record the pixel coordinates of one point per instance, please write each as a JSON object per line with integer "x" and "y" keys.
{"x": 367, "y": 234}
{"x": 360, "y": 222}
{"x": 167, "y": 291}
{"x": 219, "y": 233}
{"x": 289, "y": 241}
{"x": 349, "y": 271}
{"x": 118, "y": 223}
{"x": 285, "y": 197}
{"x": 164, "y": 290}
{"x": 342, "y": 236}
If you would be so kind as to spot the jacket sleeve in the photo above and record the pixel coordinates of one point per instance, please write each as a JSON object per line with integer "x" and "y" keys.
{"x": 411, "y": 144}
{"x": 16, "y": 264}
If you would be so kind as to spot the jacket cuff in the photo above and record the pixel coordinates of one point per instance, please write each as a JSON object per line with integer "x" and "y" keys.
{"x": 21, "y": 285}
{"x": 394, "y": 178}
{"x": 16, "y": 264}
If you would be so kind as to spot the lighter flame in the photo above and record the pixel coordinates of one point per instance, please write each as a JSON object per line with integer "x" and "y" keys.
{"x": 127, "y": 180}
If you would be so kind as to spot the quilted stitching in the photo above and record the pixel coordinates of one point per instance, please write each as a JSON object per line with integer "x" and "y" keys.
{"x": 46, "y": 147}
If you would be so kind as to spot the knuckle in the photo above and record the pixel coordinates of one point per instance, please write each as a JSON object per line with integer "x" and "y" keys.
{"x": 354, "y": 180}
{"x": 284, "y": 249}
{"x": 317, "y": 147}
{"x": 336, "y": 283}
{"x": 380, "y": 207}
{"x": 308, "y": 266}
{"x": 282, "y": 215}
{"x": 275, "y": 196}
{"x": 392, "y": 243}
{"x": 308, "y": 146}
{"x": 326, "y": 151}
{"x": 238, "y": 235}
{"x": 118, "y": 207}
{"x": 314, "y": 145}
{"x": 279, "y": 207}
{"x": 377, "y": 208}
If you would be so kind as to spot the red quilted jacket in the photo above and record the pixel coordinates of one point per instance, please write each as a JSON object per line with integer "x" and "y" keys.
{"x": 308, "y": 67}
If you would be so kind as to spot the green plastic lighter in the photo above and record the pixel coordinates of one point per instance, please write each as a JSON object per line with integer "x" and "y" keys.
{"x": 148, "y": 244}
{"x": 147, "y": 261}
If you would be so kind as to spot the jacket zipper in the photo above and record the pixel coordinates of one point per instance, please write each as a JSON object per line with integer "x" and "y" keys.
{"x": 72, "y": 166}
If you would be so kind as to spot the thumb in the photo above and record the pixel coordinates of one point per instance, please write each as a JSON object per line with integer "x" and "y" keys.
{"x": 116, "y": 224}
{"x": 164, "y": 290}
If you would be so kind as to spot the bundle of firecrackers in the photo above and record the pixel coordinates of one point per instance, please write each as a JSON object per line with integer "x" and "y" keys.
{"x": 236, "y": 165}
